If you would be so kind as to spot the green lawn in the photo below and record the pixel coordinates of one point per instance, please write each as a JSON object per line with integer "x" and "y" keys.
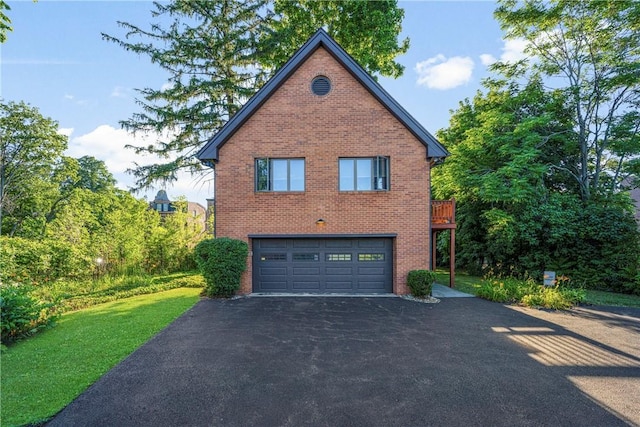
{"x": 42, "y": 374}
{"x": 611, "y": 298}
{"x": 69, "y": 295}
{"x": 463, "y": 283}
{"x": 469, "y": 284}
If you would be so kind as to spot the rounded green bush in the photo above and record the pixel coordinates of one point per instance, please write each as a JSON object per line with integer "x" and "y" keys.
{"x": 420, "y": 282}
{"x": 222, "y": 262}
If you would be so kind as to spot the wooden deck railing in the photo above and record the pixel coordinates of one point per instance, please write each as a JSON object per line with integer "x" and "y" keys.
{"x": 443, "y": 212}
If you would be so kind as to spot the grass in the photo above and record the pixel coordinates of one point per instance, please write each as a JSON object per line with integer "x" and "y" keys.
{"x": 472, "y": 284}
{"x": 43, "y": 374}
{"x": 463, "y": 282}
{"x": 70, "y": 295}
{"x": 529, "y": 293}
{"x": 611, "y": 298}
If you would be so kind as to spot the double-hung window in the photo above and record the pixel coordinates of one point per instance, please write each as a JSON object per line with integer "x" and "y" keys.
{"x": 364, "y": 174}
{"x": 279, "y": 174}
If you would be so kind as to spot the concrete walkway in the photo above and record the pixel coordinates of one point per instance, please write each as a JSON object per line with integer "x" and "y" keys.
{"x": 440, "y": 291}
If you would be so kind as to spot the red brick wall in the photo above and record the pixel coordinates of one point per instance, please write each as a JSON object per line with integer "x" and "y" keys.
{"x": 348, "y": 122}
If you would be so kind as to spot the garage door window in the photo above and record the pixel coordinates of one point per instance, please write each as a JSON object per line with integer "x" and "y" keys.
{"x": 273, "y": 257}
{"x": 338, "y": 257}
{"x": 306, "y": 257}
{"x": 370, "y": 257}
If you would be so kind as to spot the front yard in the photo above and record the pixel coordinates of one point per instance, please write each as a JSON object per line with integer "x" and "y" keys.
{"x": 44, "y": 373}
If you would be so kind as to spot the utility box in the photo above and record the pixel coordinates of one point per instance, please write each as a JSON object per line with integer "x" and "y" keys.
{"x": 549, "y": 278}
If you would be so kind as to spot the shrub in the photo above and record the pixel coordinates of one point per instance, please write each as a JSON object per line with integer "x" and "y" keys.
{"x": 632, "y": 286}
{"x": 596, "y": 243}
{"x": 222, "y": 262}
{"x": 75, "y": 295}
{"x": 553, "y": 297}
{"x": 507, "y": 289}
{"x": 36, "y": 262}
{"x": 420, "y": 282}
{"x": 527, "y": 292}
{"x": 195, "y": 281}
{"x": 21, "y": 314}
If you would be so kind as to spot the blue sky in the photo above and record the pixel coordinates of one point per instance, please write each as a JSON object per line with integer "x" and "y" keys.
{"x": 56, "y": 60}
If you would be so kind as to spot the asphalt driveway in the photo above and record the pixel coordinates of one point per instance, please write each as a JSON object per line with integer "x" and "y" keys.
{"x": 372, "y": 362}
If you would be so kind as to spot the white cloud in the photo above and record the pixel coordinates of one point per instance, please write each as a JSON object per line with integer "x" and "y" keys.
{"x": 196, "y": 188}
{"x": 107, "y": 143}
{"x": 120, "y": 92}
{"x": 513, "y": 50}
{"x": 487, "y": 59}
{"x": 441, "y": 73}
{"x": 65, "y": 131}
{"x": 72, "y": 98}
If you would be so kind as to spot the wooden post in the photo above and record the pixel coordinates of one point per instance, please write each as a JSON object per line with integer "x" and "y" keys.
{"x": 433, "y": 249}
{"x": 452, "y": 258}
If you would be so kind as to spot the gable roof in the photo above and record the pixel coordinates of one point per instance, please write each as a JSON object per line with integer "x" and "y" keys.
{"x": 320, "y": 39}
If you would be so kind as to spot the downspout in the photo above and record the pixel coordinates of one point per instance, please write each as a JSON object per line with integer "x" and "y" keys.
{"x": 215, "y": 211}
{"x": 432, "y": 163}
{"x": 211, "y": 164}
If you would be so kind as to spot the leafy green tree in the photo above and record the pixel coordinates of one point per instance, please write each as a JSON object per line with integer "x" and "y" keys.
{"x": 591, "y": 50}
{"x": 517, "y": 214}
{"x": 87, "y": 173}
{"x": 77, "y": 223}
{"x": 93, "y": 175}
{"x": 108, "y": 225}
{"x": 68, "y": 211}
{"x": 30, "y": 147}
{"x": 218, "y": 53}
{"x": 368, "y": 30}
{"x": 171, "y": 243}
{"x": 127, "y": 227}
{"x": 5, "y": 22}
{"x": 500, "y": 144}
{"x": 36, "y": 261}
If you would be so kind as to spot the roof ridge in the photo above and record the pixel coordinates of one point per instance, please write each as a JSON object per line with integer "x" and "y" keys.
{"x": 319, "y": 39}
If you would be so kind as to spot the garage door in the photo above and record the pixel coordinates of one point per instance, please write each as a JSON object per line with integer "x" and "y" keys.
{"x": 336, "y": 265}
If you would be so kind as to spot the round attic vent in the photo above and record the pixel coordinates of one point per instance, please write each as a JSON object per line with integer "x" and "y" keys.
{"x": 321, "y": 85}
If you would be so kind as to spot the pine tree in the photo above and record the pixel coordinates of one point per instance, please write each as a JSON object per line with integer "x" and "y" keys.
{"x": 209, "y": 51}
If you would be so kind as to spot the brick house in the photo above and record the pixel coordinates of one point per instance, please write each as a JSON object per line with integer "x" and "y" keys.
{"x": 327, "y": 178}
{"x": 165, "y": 207}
